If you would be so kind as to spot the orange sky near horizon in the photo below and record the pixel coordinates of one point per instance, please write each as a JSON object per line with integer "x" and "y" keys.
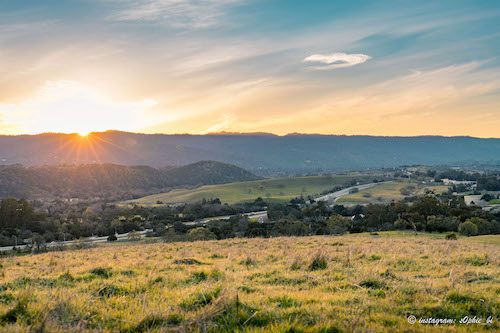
{"x": 154, "y": 66}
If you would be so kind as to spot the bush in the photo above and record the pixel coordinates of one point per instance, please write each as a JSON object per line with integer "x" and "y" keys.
{"x": 201, "y": 234}
{"x": 467, "y": 228}
{"x": 338, "y": 225}
{"x": 112, "y": 238}
{"x": 134, "y": 236}
{"x": 452, "y": 236}
{"x": 319, "y": 262}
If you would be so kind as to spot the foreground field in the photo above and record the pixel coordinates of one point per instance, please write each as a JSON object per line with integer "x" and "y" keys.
{"x": 393, "y": 191}
{"x": 311, "y": 284}
{"x": 280, "y": 190}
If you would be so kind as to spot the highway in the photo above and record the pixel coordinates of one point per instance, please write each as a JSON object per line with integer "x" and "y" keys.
{"x": 87, "y": 240}
{"x": 261, "y": 215}
{"x": 333, "y": 197}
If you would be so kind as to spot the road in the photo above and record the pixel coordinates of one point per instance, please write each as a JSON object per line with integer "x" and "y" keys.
{"x": 333, "y": 197}
{"x": 261, "y": 215}
{"x": 87, "y": 240}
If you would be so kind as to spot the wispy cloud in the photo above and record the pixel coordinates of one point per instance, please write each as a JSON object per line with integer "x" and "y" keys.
{"x": 175, "y": 13}
{"x": 337, "y": 60}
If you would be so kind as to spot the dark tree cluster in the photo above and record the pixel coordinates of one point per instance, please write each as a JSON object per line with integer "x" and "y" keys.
{"x": 64, "y": 220}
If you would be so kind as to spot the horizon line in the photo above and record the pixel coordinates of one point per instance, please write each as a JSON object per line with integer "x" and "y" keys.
{"x": 223, "y": 133}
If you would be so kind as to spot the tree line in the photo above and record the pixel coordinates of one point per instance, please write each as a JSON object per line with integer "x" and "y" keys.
{"x": 430, "y": 213}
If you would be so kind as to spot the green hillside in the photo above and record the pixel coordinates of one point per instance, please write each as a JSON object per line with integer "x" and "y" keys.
{"x": 393, "y": 191}
{"x": 282, "y": 189}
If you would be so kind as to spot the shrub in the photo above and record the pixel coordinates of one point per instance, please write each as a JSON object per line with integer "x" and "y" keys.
{"x": 452, "y": 236}
{"x": 200, "y": 234}
{"x": 112, "y": 238}
{"x": 134, "y": 236}
{"x": 467, "y": 228}
{"x": 319, "y": 262}
{"x": 338, "y": 224}
{"x": 186, "y": 262}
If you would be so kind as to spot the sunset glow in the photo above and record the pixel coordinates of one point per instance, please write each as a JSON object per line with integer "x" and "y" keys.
{"x": 69, "y": 107}
{"x": 384, "y": 68}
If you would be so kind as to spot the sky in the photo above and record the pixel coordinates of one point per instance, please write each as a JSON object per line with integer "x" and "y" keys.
{"x": 391, "y": 68}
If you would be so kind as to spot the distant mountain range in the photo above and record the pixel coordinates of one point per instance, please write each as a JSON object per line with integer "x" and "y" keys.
{"x": 112, "y": 182}
{"x": 262, "y": 153}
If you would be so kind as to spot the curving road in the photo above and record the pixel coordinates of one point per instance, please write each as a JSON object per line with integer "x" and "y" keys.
{"x": 333, "y": 197}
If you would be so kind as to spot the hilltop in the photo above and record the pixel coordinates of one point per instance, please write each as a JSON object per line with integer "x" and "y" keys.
{"x": 112, "y": 181}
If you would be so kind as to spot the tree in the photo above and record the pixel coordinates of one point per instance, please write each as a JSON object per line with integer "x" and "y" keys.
{"x": 37, "y": 240}
{"x": 201, "y": 234}
{"x": 467, "y": 228}
{"x": 487, "y": 197}
{"x": 483, "y": 226}
{"x": 338, "y": 225}
{"x": 402, "y": 224}
{"x": 427, "y": 205}
{"x": 287, "y": 227}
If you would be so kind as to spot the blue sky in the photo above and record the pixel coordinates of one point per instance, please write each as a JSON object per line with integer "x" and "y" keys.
{"x": 171, "y": 66}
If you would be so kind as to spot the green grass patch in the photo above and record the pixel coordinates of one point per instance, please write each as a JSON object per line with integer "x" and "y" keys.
{"x": 388, "y": 192}
{"x": 271, "y": 190}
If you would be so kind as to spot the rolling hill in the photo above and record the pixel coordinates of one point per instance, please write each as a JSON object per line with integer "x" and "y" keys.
{"x": 265, "y": 154}
{"x": 112, "y": 181}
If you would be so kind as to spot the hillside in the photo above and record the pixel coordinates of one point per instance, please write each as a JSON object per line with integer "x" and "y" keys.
{"x": 264, "y": 154}
{"x": 110, "y": 181}
{"x": 393, "y": 191}
{"x": 355, "y": 283}
{"x": 207, "y": 173}
{"x": 282, "y": 189}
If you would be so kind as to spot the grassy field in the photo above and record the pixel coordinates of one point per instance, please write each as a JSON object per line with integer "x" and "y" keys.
{"x": 287, "y": 284}
{"x": 387, "y": 192}
{"x": 281, "y": 190}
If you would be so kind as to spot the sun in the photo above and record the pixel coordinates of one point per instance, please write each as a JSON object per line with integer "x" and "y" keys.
{"x": 71, "y": 107}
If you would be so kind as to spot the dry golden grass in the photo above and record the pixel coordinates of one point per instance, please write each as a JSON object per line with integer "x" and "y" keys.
{"x": 276, "y": 285}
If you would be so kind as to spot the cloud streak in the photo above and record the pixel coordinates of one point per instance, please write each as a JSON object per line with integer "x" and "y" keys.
{"x": 336, "y": 60}
{"x": 175, "y": 13}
